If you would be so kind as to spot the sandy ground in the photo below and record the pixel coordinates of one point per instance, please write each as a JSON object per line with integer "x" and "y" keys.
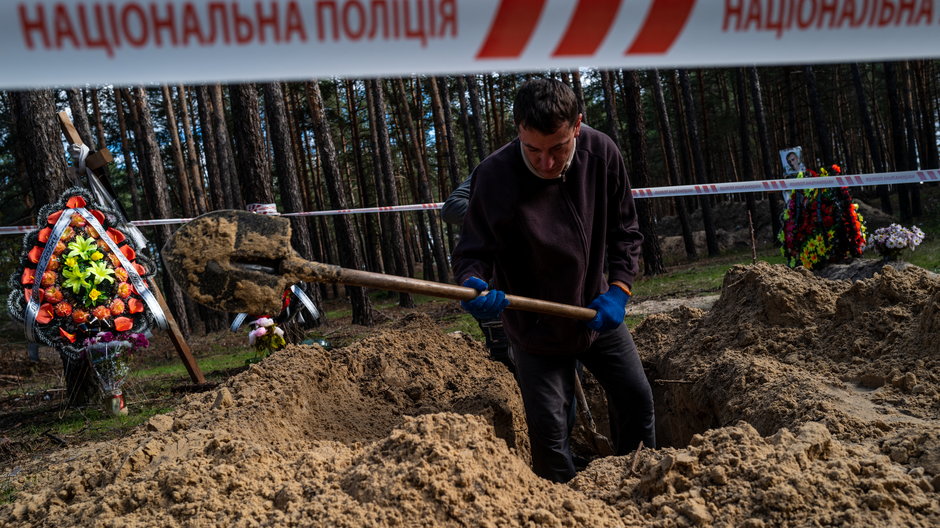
{"x": 793, "y": 401}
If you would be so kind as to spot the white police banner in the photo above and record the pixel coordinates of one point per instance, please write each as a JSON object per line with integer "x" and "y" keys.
{"x": 71, "y": 42}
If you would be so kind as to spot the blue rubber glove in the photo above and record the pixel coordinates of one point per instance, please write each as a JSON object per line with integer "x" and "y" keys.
{"x": 611, "y": 308}
{"x": 487, "y": 306}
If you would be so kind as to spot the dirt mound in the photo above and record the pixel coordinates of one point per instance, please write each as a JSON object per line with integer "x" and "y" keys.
{"x": 796, "y": 400}
{"x": 734, "y": 477}
{"x": 783, "y": 348}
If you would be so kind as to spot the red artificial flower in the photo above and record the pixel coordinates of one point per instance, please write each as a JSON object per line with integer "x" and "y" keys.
{"x": 123, "y": 324}
{"x": 98, "y": 215}
{"x": 48, "y": 278}
{"x": 135, "y": 305}
{"x": 45, "y": 314}
{"x": 70, "y": 337}
{"x": 29, "y": 276}
{"x": 76, "y": 202}
{"x": 52, "y": 294}
{"x": 79, "y": 316}
{"x": 115, "y": 235}
{"x": 77, "y": 221}
{"x": 101, "y": 313}
{"x": 67, "y": 234}
{"x": 128, "y": 252}
{"x": 35, "y": 254}
{"x": 44, "y": 234}
{"x": 116, "y": 307}
{"x": 837, "y": 169}
{"x": 124, "y": 290}
{"x": 54, "y": 217}
{"x": 63, "y": 309}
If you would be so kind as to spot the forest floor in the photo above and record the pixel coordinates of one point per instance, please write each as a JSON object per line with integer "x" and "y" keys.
{"x": 783, "y": 399}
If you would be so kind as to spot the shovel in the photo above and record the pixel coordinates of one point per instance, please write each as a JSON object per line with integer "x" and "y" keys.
{"x": 237, "y": 261}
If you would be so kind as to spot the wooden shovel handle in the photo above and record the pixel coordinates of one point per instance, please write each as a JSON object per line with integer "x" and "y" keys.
{"x": 327, "y": 273}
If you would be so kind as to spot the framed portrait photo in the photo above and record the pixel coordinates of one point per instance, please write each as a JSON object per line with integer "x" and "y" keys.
{"x": 792, "y": 160}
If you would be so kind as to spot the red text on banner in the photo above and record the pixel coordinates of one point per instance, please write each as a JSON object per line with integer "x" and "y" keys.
{"x": 111, "y": 26}
{"x": 786, "y": 15}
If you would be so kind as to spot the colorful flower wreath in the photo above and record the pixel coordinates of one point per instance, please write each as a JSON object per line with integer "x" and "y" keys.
{"x": 86, "y": 273}
{"x": 821, "y": 226}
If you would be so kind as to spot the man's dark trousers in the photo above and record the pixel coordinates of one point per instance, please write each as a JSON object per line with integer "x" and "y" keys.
{"x": 547, "y": 384}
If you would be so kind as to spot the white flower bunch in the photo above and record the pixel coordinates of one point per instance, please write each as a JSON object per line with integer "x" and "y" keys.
{"x": 891, "y": 240}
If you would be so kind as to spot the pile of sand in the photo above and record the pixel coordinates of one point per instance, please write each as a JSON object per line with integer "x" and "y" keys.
{"x": 795, "y": 400}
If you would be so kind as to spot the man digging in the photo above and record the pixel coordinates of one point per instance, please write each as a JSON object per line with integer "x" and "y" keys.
{"x": 548, "y": 212}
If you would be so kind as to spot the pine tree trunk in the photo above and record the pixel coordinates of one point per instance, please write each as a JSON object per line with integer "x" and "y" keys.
{"x": 579, "y": 93}
{"x": 476, "y": 119}
{"x": 372, "y": 253}
{"x": 912, "y": 148}
{"x": 437, "y": 246}
{"x": 392, "y": 222}
{"x": 764, "y": 140}
{"x": 99, "y": 125}
{"x": 216, "y": 191}
{"x": 286, "y": 172}
{"x": 250, "y": 155}
{"x": 155, "y": 185}
{"x": 39, "y": 141}
{"x": 284, "y": 168}
{"x": 192, "y": 154}
{"x": 639, "y": 175}
{"x": 711, "y": 239}
{"x": 80, "y": 116}
{"x": 823, "y": 137}
{"x": 672, "y": 164}
{"x": 132, "y": 183}
{"x": 223, "y": 145}
{"x": 347, "y": 239}
{"x": 610, "y": 106}
{"x": 874, "y": 147}
{"x": 745, "y": 137}
{"x": 443, "y": 124}
{"x": 928, "y": 125}
{"x": 464, "y": 120}
{"x": 897, "y": 135}
{"x": 185, "y": 195}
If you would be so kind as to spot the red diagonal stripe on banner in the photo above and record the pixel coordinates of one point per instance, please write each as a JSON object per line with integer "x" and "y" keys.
{"x": 587, "y": 28}
{"x": 511, "y": 29}
{"x": 662, "y": 26}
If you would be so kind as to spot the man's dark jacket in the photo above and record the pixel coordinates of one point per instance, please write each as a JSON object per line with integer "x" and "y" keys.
{"x": 547, "y": 239}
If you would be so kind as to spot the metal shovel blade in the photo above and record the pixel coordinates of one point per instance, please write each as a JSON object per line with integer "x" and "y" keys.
{"x": 233, "y": 260}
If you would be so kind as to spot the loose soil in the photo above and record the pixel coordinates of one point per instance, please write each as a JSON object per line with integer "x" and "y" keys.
{"x": 794, "y": 400}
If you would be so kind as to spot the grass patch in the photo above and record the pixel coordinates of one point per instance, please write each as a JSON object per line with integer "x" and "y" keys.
{"x": 207, "y": 364}
{"x": 465, "y": 323}
{"x": 699, "y": 278}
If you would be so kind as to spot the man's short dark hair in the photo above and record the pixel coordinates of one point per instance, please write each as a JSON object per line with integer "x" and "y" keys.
{"x": 545, "y": 105}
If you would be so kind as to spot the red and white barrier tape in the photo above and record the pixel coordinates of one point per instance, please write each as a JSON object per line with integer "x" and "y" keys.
{"x": 130, "y": 42}
{"x": 855, "y": 180}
